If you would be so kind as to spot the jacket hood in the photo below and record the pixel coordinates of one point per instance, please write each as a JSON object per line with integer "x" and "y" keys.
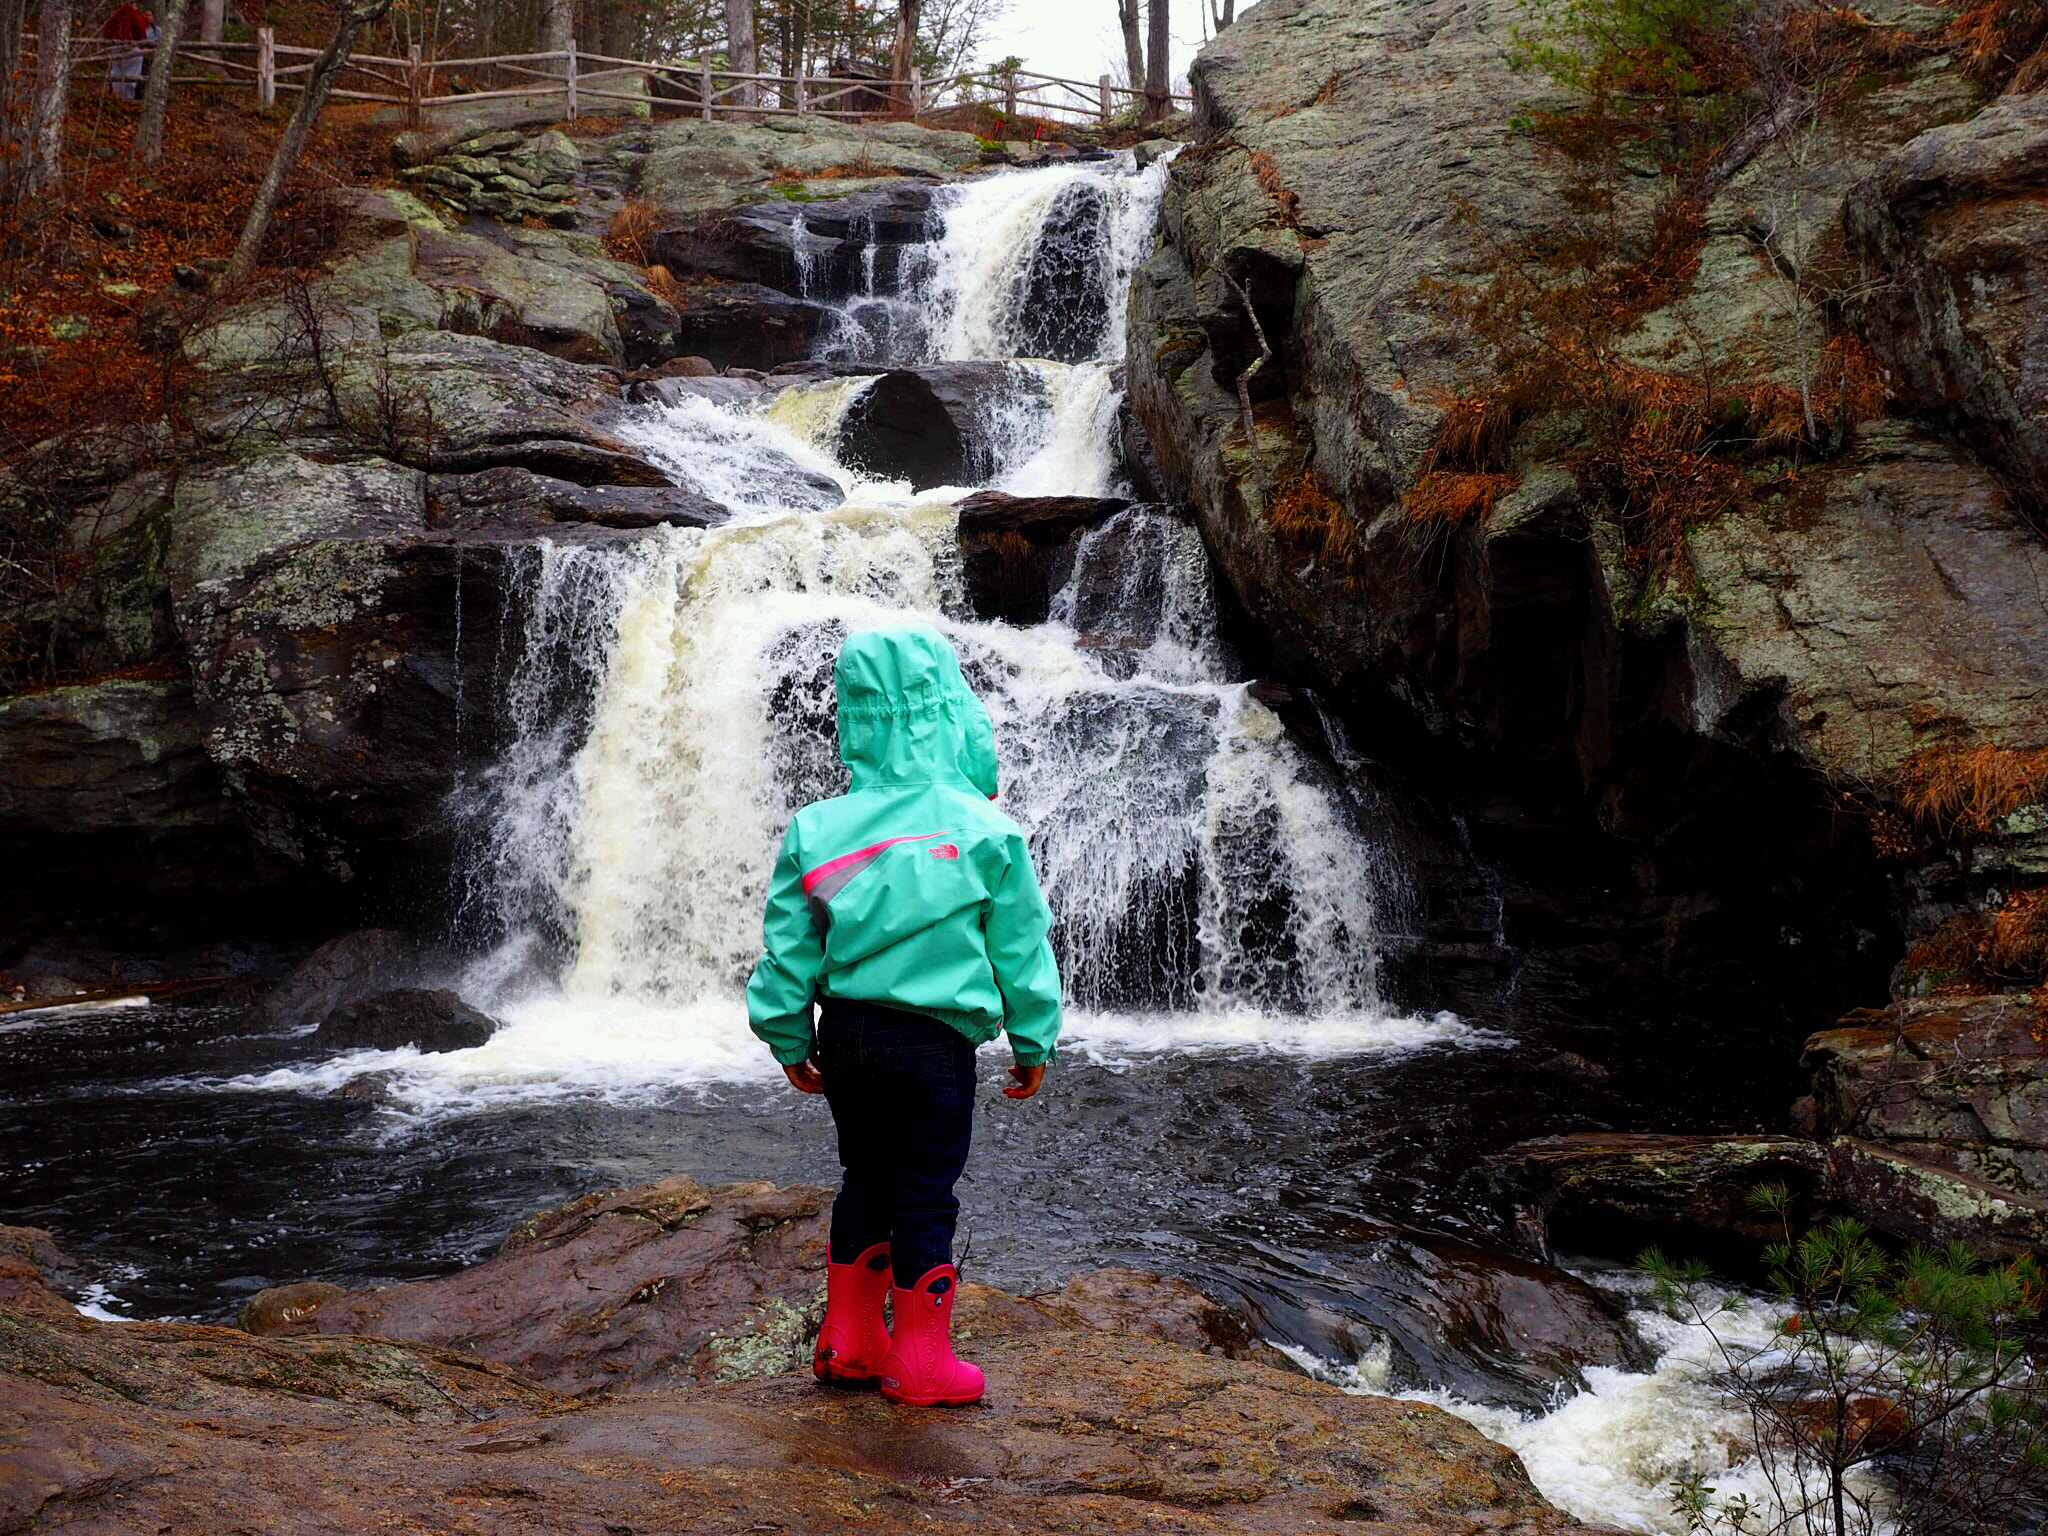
{"x": 906, "y": 715}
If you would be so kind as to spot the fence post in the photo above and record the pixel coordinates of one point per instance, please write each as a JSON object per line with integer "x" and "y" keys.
{"x": 569, "y": 79}
{"x": 1009, "y": 93}
{"x": 1103, "y": 86}
{"x": 704, "y": 88}
{"x": 916, "y": 92}
{"x": 266, "y": 67}
{"x": 803, "y": 96}
{"x": 412, "y": 84}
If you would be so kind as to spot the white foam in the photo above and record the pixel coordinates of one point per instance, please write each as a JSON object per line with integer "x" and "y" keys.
{"x": 1610, "y": 1454}
{"x": 1122, "y": 1039}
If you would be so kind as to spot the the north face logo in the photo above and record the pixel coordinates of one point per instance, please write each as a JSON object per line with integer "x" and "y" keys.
{"x": 945, "y": 851}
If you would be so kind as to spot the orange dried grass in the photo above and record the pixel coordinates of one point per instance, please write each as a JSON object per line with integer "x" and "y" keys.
{"x": 1953, "y": 791}
{"x": 1305, "y": 516}
{"x": 2004, "y": 43}
{"x": 1454, "y": 497}
{"x": 1975, "y": 950}
{"x": 1267, "y": 173}
{"x": 632, "y": 231}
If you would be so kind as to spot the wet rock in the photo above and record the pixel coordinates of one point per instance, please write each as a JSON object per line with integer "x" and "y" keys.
{"x": 1066, "y": 308}
{"x": 823, "y": 250}
{"x": 283, "y": 1309}
{"x": 1960, "y": 1084}
{"x": 368, "y": 1088}
{"x": 1140, "y": 1304}
{"x": 748, "y": 323}
{"x": 415, "y": 1017}
{"x": 1956, "y": 224}
{"x": 688, "y": 368}
{"x": 36, "y": 1275}
{"x": 131, "y": 1427}
{"x": 341, "y": 972}
{"x": 1921, "y": 1201}
{"x": 670, "y": 1283}
{"x": 934, "y": 425}
{"x": 898, "y": 429}
{"x": 1616, "y": 1193}
{"x": 1016, "y": 551}
{"x": 509, "y": 496}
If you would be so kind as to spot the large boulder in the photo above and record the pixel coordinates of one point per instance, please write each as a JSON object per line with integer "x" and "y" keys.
{"x": 1017, "y": 551}
{"x": 898, "y": 429}
{"x": 666, "y": 1284}
{"x": 1955, "y": 226}
{"x": 822, "y": 250}
{"x": 746, "y": 324}
{"x": 939, "y": 424}
{"x": 342, "y": 971}
{"x": 415, "y": 1018}
{"x": 1960, "y": 1084}
{"x": 694, "y": 169}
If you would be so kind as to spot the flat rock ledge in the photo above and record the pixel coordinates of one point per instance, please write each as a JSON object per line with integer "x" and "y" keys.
{"x": 145, "y": 1427}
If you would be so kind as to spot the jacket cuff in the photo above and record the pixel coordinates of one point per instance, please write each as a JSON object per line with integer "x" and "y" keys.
{"x": 1033, "y": 1055}
{"x": 791, "y": 1055}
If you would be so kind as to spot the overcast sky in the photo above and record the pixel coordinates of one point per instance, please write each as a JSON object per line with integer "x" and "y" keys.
{"x": 1079, "y": 38}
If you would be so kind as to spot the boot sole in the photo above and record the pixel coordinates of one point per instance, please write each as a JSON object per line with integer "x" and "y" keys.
{"x": 843, "y": 1376}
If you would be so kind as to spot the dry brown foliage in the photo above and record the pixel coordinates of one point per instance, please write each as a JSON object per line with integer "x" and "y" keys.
{"x": 2004, "y": 43}
{"x": 632, "y": 231}
{"x": 1267, "y": 173}
{"x": 1960, "y": 791}
{"x": 663, "y": 285}
{"x": 1973, "y": 951}
{"x": 1454, "y": 497}
{"x": 1308, "y": 519}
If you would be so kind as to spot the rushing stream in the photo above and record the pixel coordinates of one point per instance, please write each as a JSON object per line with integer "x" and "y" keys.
{"x": 1236, "y": 1099}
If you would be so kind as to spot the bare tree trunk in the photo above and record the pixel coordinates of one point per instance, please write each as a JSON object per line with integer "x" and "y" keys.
{"x": 1158, "y": 42}
{"x": 319, "y": 81}
{"x": 557, "y": 30}
{"x": 13, "y": 19}
{"x": 1222, "y": 16}
{"x": 156, "y": 90}
{"x": 1134, "y": 47}
{"x": 45, "y": 166}
{"x": 742, "y": 55}
{"x": 906, "y": 40}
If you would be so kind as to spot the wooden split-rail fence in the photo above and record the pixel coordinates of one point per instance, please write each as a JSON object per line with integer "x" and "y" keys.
{"x": 591, "y": 82}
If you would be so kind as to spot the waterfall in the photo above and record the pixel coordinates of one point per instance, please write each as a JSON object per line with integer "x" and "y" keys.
{"x": 673, "y": 706}
{"x": 1029, "y": 264}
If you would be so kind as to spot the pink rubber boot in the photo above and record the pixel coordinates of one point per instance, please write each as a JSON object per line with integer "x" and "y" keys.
{"x": 921, "y": 1369}
{"x": 854, "y": 1339}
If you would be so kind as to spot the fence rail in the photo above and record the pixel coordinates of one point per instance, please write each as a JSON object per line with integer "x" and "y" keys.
{"x": 688, "y": 86}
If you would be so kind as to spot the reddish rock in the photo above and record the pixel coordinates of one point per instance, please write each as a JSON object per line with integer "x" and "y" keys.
{"x": 146, "y": 1427}
{"x": 670, "y": 1283}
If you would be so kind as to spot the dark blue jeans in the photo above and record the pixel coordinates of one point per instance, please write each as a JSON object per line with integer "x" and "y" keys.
{"x": 901, "y": 1087}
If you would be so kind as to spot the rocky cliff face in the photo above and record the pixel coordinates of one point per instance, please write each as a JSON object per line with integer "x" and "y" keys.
{"x": 1675, "y": 759}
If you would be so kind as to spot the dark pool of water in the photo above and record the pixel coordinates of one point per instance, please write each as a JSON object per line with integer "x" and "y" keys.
{"x": 1302, "y": 1186}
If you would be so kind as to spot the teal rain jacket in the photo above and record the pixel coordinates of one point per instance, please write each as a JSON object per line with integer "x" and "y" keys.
{"x": 910, "y": 890}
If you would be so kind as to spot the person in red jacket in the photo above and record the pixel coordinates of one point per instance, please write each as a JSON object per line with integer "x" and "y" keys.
{"x": 127, "y": 29}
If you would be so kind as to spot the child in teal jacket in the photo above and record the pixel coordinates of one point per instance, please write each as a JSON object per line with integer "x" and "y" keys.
{"x": 908, "y": 910}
